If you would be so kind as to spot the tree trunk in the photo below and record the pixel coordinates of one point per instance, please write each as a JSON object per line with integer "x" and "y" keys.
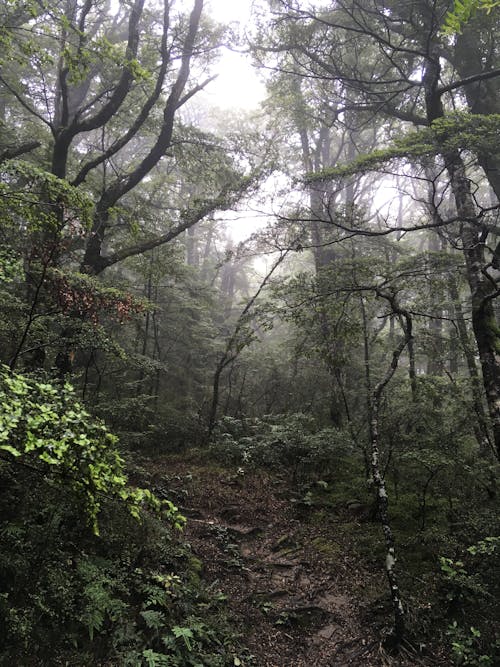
{"x": 482, "y": 431}
{"x": 378, "y": 478}
{"x": 482, "y": 287}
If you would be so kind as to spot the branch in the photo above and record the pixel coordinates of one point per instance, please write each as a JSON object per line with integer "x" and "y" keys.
{"x": 10, "y": 153}
{"x": 120, "y": 92}
{"x": 482, "y": 76}
{"x": 230, "y": 354}
{"x": 24, "y": 103}
{"x": 223, "y": 201}
{"x": 195, "y": 90}
{"x": 406, "y": 325}
{"x": 441, "y": 222}
{"x": 143, "y": 114}
{"x": 118, "y": 189}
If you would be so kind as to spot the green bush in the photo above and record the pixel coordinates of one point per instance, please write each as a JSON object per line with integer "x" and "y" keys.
{"x": 92, "y": 571}
{"x": 472, "y": 591}
{"x": 289, "y": 443}
{"x": 43, "y": 427}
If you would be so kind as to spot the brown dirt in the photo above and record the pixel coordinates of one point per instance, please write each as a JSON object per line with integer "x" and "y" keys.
{"x": 294, "y": 589}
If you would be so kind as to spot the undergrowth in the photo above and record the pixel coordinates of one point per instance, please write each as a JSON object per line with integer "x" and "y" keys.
{"x": 443, "y": 508}
{"x": 92, "y": 570}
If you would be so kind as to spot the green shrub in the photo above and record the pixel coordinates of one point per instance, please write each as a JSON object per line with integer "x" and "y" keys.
{"x": 88, "y": 575}
{"x": 289, "y": 443}
{"x": 472, "y": 590}
{"x": 43, "y": 427}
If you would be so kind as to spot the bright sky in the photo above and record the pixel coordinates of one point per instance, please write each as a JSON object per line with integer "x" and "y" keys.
{"x": 238, "y": 84}
{"x": 229, "y": 10}
{"x": 237, "y": 87}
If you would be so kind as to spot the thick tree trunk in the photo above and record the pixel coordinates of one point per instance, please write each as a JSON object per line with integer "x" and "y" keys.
{"x": 483, "y": 97}
{"x": 482, "y": 287}
{"x": 482, "y": 429}
{"x": 484, "y": 324}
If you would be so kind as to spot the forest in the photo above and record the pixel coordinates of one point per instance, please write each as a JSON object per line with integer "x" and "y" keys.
{"x": 249, "y": 354}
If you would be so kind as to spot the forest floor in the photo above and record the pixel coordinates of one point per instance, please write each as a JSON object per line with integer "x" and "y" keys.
{"x": 296, "y": 589}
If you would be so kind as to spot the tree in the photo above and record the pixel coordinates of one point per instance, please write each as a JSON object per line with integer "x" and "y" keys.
{"x": 408, "y": 40}
{"x": 95, "y": 66}
{"x": 79, "y": 70}
{"x": 392, "y": 65}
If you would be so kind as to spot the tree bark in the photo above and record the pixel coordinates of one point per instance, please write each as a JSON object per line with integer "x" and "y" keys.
{"x": 378, "y": 478}
{"x": 482, "y": 431}
{"x": 482, "y": 287}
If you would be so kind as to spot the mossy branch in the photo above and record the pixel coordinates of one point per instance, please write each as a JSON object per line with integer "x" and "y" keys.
{"x": 461, "y": 131}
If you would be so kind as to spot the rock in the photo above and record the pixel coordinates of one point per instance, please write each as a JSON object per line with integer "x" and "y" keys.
{"x": 304, "y": 615}
{"x": 243, "y": 531}
{"x": 327, "y": 631}
{"x": 284, "y": 543}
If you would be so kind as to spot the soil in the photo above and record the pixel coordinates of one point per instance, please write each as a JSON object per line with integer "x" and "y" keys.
{"x": 296, "y": 590}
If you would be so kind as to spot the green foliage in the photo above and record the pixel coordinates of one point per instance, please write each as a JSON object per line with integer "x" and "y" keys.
{"x": 471, "y": 589}
{"x": 462, "y": 13}
{"x": 80, "y": 61}
{"x": 126, "y": 593}
{"x": 457, "y": 131}
{"x": 464, "y": 578}
{"x": 67, "y": 596}
{"x": 10, "y": 266}
{"x": 290, "y": 443}
{"x": 43, "y": 426}
{"x": 486, "y": 547}
{"x": 101, "y": 595}
{"x": 23, "y": 189}
{"x": 465, "y": 646}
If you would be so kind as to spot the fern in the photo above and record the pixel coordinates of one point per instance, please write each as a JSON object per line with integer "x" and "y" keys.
{"x": 154, "y": 659}
{"x": 154, "y": 620}
{"x": 186, "y": 634}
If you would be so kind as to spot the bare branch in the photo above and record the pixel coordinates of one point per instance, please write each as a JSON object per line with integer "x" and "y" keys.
{"x": 9, "y": 153}
{"x": 482, "y": 76}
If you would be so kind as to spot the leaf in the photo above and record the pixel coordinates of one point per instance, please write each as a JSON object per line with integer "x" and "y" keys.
{"x": 184, "y": 633}
{"x": 154, "y": 659}
{"x": 11, "y": 450}
{"x": 153, "y": 619}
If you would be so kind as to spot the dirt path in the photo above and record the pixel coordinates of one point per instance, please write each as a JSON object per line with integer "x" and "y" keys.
{"x": 292, "y": 588}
